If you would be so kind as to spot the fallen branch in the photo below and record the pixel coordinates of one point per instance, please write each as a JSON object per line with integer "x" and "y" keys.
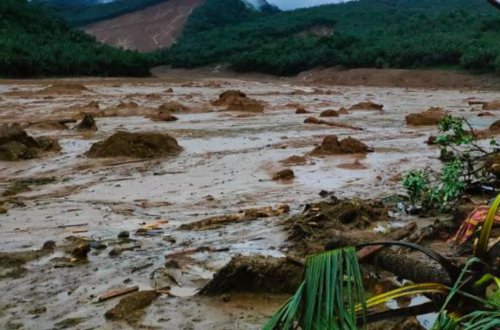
{"x": 116, "y": 293}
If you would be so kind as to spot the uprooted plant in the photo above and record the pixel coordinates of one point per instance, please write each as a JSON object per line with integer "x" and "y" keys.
{"x": 332, "y": 295}
{"x": 464, "y": 167}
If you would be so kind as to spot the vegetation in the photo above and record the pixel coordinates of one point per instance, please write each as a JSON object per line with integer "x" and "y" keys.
{"x": 464, "y": 166}
{"x": 366, "y": 33}
{"x": 332, "y": 294}
{"x": 84, "y": 12}
{"x": 35, "y": 44}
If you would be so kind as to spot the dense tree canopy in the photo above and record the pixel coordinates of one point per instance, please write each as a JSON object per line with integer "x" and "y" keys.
{"x": 34, "y": 44}
{"x": 83, "y": 12}
{"x": 367, "y": 33}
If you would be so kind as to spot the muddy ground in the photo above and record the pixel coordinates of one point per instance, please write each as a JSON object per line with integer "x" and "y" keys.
{"x": 226, "y": 166}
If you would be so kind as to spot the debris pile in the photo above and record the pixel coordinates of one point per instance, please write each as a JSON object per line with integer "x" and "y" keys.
{"x": 319, "y": 223}
{"x": 135, "y": 145}
{"x": 256, "y": 274}
{"x": 244, "y": 215}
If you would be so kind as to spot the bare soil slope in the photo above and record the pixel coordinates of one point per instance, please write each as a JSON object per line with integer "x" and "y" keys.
{"x": 146, "y": 30}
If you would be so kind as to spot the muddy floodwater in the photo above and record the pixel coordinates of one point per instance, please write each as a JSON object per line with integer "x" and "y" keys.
{"x": 226, "y": 166}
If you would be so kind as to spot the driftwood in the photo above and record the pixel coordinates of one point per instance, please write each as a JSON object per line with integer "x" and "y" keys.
{"x": 116, "y": 293}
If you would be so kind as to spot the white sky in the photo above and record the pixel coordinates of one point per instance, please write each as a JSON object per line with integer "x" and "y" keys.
{"x": 293, "y": 4}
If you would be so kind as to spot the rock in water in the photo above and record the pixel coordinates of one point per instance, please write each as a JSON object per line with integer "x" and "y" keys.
{"x": 16, "y": 144}
{"x": 429, "y": 117}
{"x": 87, "y": 124}
{"x": 238, "y": 101}
{"x": 367, "y": 106}
{"x": 329, "y": 113}
{"x": 135, "y": 145}
{"x": 286, "y": 174}
{"x": 332, "y": 146}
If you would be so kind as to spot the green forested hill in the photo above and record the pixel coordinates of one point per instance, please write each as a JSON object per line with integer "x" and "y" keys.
{"x": 83, "y": 12}
{"x": 367, "y": 33}
{"x": 458, "y": 34}
{"x": 33, "y": 43}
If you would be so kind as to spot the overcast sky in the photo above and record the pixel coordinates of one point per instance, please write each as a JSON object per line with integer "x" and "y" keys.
{"x": 292, "y": 4}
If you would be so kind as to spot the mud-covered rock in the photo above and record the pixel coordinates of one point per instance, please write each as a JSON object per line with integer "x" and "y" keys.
{"x": 130, "y": 304}
{"x": 295, "y": 160}
{"x": 492, "y": 164}
{"x": 238, "y": 101}
{"x": 331, "y": 145}
{"x": 135, "y": 145}
{"x": 16, "y": 144}
{"x": 495, "y": 127}
{"x": 343, "y": 111}
{"x": 301, "y": 111}
{"x": 372, "y": 106}
{"x": 172, "y": 107}
{"x": 81, "y": 251}
{"x": 329, "y": 113}
{"x": 228, "y": 97}
{"x": 255, "y": 274}
{"x": 285, "y": 175}
{"x": 493, "y": 105}
{"x": 429, "y": 117}
{"x": 11, "y": 263}
{"x": 87, "y": 124}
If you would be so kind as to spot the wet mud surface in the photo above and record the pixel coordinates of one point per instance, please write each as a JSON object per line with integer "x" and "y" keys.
{"x": 131, "y": 217}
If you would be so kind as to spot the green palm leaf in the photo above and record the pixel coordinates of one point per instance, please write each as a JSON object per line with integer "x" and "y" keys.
{"x": 328, "y": 297}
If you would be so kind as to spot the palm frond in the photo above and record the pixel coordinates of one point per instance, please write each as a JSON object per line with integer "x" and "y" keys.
{"x": 479, "y": 320}
{"x": 328, "y": 297}
{"x": 410, "y": 290}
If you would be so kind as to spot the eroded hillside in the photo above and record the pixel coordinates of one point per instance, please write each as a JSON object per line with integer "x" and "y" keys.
{"x": 148, "y": 29}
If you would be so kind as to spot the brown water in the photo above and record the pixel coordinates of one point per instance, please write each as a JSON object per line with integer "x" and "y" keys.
{"x": 228, "y": 156}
